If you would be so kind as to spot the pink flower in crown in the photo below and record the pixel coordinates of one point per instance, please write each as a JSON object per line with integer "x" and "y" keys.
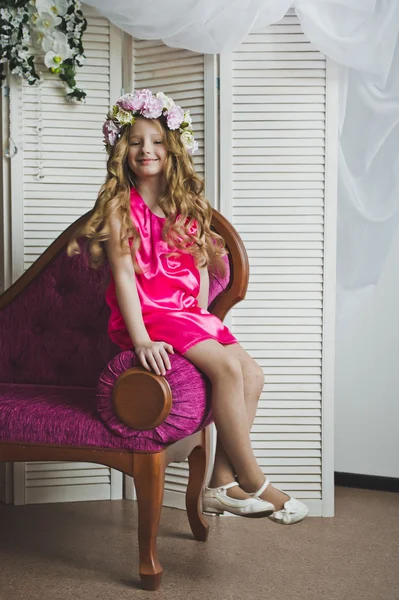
{"x": 174, "y": 117}
{"x": 152, "y": 108}
{"x": 134, "y": 102}
{"x": 110, "y": 131}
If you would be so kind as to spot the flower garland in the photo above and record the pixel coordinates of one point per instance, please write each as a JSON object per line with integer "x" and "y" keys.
{"x": 55, "y": 27}
{"x": 146, "y": 104}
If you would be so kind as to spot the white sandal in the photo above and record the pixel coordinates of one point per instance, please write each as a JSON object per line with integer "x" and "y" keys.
{"x": 216, "y": 501}
{"x": 293, "y": 511}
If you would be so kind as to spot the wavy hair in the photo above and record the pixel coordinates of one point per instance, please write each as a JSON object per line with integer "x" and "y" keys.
{"x": 182, "y": 202}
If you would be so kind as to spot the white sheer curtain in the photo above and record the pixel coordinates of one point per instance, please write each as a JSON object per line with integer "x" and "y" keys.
{"x": 362, "y": 36}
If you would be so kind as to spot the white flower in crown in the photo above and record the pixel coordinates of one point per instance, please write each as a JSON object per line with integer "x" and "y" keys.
{"x": 168, "y": 103}
{"x": 188, "y": 140}
{"x": 187, "y": 119}
{"x": 123, "y": 116}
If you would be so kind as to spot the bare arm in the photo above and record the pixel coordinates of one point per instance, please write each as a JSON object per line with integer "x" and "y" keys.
{"x": 120, "y": 260}
{"x": 204, "y": 288}
{"x": 122, "y": 268}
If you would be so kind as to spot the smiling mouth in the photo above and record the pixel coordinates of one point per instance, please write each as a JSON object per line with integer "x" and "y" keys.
{"x": 147, "y": 160}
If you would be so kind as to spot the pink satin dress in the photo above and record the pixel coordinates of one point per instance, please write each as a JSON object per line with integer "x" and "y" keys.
{"x": 168, "y": 289}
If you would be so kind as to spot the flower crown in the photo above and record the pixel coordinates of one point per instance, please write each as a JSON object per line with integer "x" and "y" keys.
{"x": 144, "y": 103}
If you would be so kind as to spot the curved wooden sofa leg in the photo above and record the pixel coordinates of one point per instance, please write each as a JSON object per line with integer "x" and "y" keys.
{"x": 149, "y": 479}
{"x": 198, "y": 464}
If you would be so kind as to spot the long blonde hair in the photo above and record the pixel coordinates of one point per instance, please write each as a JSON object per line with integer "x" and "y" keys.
{"x": 182, "y": 196}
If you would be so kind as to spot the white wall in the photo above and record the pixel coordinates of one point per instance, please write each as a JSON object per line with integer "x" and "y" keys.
{"x": 367, "y": 380}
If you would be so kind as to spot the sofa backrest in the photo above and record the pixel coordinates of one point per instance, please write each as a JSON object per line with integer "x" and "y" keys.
{"x": 54, "y": 331}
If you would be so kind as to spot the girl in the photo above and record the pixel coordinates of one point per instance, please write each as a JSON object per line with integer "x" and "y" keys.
{"x": 155, "y": 224}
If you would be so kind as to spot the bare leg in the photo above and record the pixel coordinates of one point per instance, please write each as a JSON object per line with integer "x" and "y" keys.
{"x": 223, "y": 471}
{"x": 228, "y": 405}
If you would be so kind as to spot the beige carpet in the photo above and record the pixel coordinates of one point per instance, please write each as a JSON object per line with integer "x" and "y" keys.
{"x": 88, "y": 551}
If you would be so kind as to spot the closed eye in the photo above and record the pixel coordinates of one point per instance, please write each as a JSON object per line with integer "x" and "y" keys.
{"x": 138, "y": 143}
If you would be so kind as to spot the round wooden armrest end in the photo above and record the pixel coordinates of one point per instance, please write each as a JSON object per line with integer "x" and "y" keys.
{"x": 141, "y": 399}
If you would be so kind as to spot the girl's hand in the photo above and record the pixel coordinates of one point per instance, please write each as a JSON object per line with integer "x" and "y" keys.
{"x": 155, "y": 355}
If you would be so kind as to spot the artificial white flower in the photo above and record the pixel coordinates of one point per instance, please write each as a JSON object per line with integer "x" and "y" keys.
{"x": 57, "y": 42}
{"x": 60, "y": 41}
{"x": 124, "y": 117}
{"x": 168, "y": 103}
{"x": 37, "y": 22}
{"x": 52, "y": 60}
{"x": 46, "y": 40}
{"x": 187, "y": 118}
{"x": 25, "y": 35}
{"x": 37, "y": 39}
{"x": 188, "y": 140}
{"x": 80, "y": 59}
{"x": 4, "y": 14}
{"x": 17, "y": 71}
{"x": 34, "y": 17}
{"x": 46, "y": 22}
{"x": 54, "y": 7}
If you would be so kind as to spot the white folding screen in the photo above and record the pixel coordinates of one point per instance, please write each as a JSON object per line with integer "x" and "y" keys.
{"x": 190, "y": 79}
{"x": 74, "y": 168}
{"x": 277, "y": 170}
{"x": 278, "y": 160}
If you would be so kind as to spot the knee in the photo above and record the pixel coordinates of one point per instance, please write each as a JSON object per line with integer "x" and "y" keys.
{"x": 254, "y": 377}
{"x": 259, "y": 378}
{"x": 228, "y": 368}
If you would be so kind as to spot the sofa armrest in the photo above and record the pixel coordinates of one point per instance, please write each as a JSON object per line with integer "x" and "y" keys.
{"x": 141, "y": 399}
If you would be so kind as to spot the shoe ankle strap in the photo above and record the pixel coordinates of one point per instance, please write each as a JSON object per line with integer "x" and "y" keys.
{"x": 261, "y": 489}
{"x": 226, "y": 487}
{"x": 230, "y": 485}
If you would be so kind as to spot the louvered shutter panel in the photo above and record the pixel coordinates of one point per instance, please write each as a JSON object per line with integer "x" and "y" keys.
{"x": 73, "y": 152}
{"x": 66, "y": 482}
{"x": 273, "y": 156}
{"x": 180, "y": 74}
{"x": 74, "y": 169}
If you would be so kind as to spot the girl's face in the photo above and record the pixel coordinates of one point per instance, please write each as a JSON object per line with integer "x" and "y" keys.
{"x": 147, "y": 153}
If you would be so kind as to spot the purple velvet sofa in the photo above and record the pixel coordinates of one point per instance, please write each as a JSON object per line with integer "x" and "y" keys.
{"x": 68, "y": 393}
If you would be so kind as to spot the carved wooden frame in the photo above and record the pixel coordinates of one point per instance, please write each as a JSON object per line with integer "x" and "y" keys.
{"x": 147, "y": 469}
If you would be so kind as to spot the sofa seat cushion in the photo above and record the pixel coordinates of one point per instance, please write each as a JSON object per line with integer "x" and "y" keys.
{"x": 68, "y": 416}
